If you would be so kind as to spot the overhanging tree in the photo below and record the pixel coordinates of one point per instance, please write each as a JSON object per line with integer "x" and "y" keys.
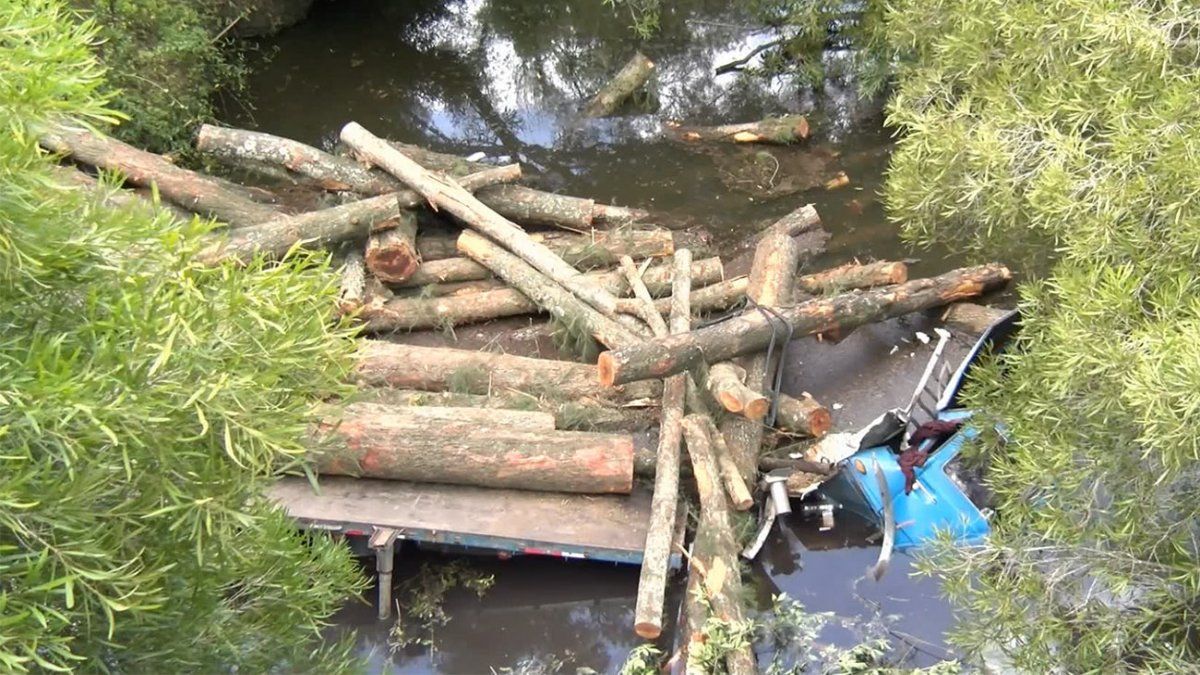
{"x": 1072, "y": 125}
{"x": 145, "y": 401}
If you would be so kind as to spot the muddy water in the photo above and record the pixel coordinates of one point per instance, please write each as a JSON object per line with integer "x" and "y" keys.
{"x": 504, "y": 78}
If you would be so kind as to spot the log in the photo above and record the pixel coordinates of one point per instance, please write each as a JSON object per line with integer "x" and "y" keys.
{"x": 580, "y": 414}
{"x": 536, "y": 207}
{"x": 854, "y": 275}
{"x": 802, "y": 220}
{"x": 391, "y": 442}
{"x": 802, "y": 415}
{"x": 661, "y": 357}
{"x": 777, "y": 130}
{"x": 731, "y": 477}
{"x": 714, "y": 550}
{"x": 596, "y": 248}
{"x": 115, "y": 197}
{"x": 193, "y": 191}
{"x": 970, "y": 318}
{"x": 445, "y": 193}
{"x": 317, "y": 229}
{"x": 392, "y": 252}
{"x": 632, "y": 76}
{"x": 385, "y": 364}
{"x": 726, "y": 384}
{"x": 646, "y": 300}
{"x": 352, "y": 294}
{"x": 551, "y": 297}
{"x": 652, "y": 583}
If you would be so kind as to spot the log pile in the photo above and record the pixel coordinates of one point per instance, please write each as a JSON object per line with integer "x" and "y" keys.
{"x": 441, "y": 415}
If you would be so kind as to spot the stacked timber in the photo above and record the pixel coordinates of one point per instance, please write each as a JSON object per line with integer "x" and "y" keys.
{"x": 706, "y": 392}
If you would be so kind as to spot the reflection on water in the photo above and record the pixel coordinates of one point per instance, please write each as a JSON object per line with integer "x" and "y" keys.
{"x": 505, "y": 77}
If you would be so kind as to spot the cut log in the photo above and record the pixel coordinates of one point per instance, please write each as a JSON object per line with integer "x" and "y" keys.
{"x": 645, "y": 300}
{"x": 353, "y": 291}
{"x": 597, "y": 248}
{"x": 736, "y": 489}
{"x": 535, "y": 207}
{"x": 607, "y": 215}
{"x": 376, "y": 441}
{"x": 839, "y": 181}
{"x": 583, "y": 414}
{"x": 726, "y": 383}
{"x": 854, "y": 275}
{"x": 772, "y": 277}
{"x": 632, "y": 76}
{"x": 318, "y": 229}
{"x": 445, "y": 193}
{"x": 564, "y": 306}
{"x": 802, "y": 415}
{"x": 714, "y": 550}
{"x": 970, "y": 318}
{"x": 777, "y": 130}
{"x": 385, "y": 364}
{"x": 751, "y": 332}
{"x": 193, "y": 191}
{"x": 652, "y": 584}
{"x": 392, "y": 251}
{"x": 116, "y": 198}
{"x": 802, "y": 220}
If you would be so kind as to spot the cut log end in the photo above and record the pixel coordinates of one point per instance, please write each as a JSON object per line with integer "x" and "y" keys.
{"x": 730, "y": 402}
{"x": 647, "y": 631}
{"x": 607, "y": 369}
{"x": 820, "y": 422}
{"x": 393, "y": 265}
{"x": 757, "y": 408}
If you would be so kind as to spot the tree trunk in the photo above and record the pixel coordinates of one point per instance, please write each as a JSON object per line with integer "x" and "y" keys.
{"x": 726, "y": 383}
{"x": 802, "y": 415}
{"x": 385, "y": 364}
{"x": 376, "y": 441}
{"x": 583, "y": 414}
{"x": 714, "y": 550}
{"x": 195, "y": 192}
{"x": 777, "y": 130}
{"x": 445, "y": 193}
{"x": 970, "y": 318}
{"x": 750, "y": 332}
{"x": 117, "y": 198}
{"x": 535, "y": 207}
{"x": 597, "y": 248}
{"x": 352, "y": 293}
{"x": 632, "y": 76}
{"x": 318, "y": 229}
{"x": 392, "y": 252}
{"x": 854, "y": 275}
{"x": 548, "y": 295}
{"x": 652, "y": 584}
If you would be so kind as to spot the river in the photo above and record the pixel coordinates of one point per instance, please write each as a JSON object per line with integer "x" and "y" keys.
{"x": 504, "y": 77}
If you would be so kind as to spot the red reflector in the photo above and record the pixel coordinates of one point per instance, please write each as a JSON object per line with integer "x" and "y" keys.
{"x": 355, "y": 533}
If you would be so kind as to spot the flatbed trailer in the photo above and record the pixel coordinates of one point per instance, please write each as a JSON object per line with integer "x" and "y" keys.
{"x": 605, "y": 528}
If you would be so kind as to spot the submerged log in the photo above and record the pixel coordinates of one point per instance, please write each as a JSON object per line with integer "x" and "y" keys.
{"x": 392, "y": 252}
{"x": 652, "y": 583}
{"x": 551, "y": 297}
{"x": 632, "y": 76}
{"x": 195, "y": 192}
{"x": 317, "y": 229}
{"x": 776, "y": 130}
{"x": 751, "y": 332}
{"x": 385, "y": 364}
{"x": 726, "y": 383}
{"x": 399, "y": 443}
{"x": 802, "y": 415}
{"x": 714, "y": 550}
{"x": 445, "y": 193}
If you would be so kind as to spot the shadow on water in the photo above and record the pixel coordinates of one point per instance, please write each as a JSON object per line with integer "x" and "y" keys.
{"x": 505, "y": 77}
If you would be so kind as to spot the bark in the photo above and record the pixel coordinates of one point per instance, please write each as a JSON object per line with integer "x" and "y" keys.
{"x": 736, "y": 489}
{"x": 116, "y": 198}
{"x": 562, "y": 305}
{"x": 971, "y": 318}
{"x": 652, "y": 584}
{"x": 446, "y": 194}
{"x": 385, "y": 364}
{"x": 607, "y": 215}
{"x": 193, "y": 191}
{"x": 777, "y": 130}
{"x": 597, "y": 248}
{"x": 353, "y": 290}
{"x": 714, "y": 550}
{"x": 392, "y": 252}
{"x": 632, "y": 76}
{"x": 726, "y": 383}
{"x": 645, "y": 300}
{"x": 750, "y": 332}
{"x": 580, "y": 414}
{"x": 802, "y": 220}
{"x": 442, "y": 307}
{"x": 317, "y": 229}
{"x": 802, "y": 415}
{"x": 535, "y": 207}
{"x": 377, "y": 441}
{"x": 854, "y": 275}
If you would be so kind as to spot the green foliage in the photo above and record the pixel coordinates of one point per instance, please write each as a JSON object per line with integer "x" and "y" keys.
{"x": 1073, "y": 126}
{"x": 169, "y": 61}
{"x": 145, "y": 403}
{"x": 422, "y": 597}
{"x": 644, "y": 15}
